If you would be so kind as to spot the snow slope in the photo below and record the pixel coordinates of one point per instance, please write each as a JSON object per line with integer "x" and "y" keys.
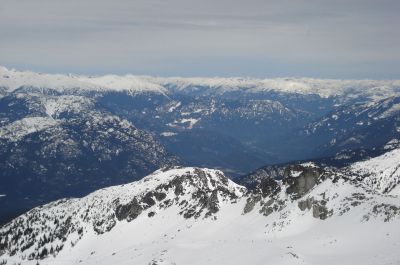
{"x": 18, "y": 129}
{"x": 381, "y": 173}
{"x": 68, "y": 103}
{"x": 198, "y": 216}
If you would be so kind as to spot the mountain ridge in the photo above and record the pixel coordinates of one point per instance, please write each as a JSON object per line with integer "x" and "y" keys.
{"x": 13, "y": 79}
{"x": 50, "y": 126}
{"x": 164, "y": 212}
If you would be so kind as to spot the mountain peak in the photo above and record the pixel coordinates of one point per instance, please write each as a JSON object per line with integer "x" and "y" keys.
{"x": 193, "y": 192}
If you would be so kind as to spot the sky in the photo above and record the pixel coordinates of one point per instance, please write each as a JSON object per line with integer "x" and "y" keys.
{"x": 349, "y": 39}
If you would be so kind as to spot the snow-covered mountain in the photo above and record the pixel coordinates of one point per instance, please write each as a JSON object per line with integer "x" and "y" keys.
{"x": 381, "y": 173}
{"x": 362, "y": 125}
{"x": 312, "y": 215}
{"x": 11, "y": 79}
{"x": 58, "y": 146}
{"x": 88, "y": 132}
{"x": 185, "y": 110}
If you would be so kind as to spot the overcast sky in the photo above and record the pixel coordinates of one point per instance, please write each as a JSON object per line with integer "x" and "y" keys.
{"x": 260, "y": 38}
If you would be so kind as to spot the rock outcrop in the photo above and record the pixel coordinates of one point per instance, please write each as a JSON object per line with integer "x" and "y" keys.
{"x": 300, "y": 179}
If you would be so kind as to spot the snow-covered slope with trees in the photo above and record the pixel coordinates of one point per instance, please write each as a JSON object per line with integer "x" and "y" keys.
{"x": 59, "y": 146}
{"x": 380, "y": 173}
{"x": 313, "y": 215}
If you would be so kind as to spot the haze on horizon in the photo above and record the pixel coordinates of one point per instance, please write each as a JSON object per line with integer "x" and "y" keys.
{"x": 353, "y": 39}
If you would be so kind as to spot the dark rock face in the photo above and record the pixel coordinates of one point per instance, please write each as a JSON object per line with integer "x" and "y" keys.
{"x": 128, "y": 211}
{"x": 212, "y": 203}
{"x": 387, "y": 210}
{"x": 205, "y": 196}
{"x": 104, "y": 225}
{"x": 250, "y": 203}
{"x": 319, "y": 209}
{"x": 270, "y": 206}
{"x": 262, "y": 184}
{"x": 306, "y": 204}
{"x": 269, "y": 187}
{"x": 264, "y": 194}
{"x": 254, "y": 179}
{"x": 300, "y": 179}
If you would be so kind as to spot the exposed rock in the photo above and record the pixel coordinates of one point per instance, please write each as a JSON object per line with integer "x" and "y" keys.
{"x": 191, "y": 193}
{"x": 300, "y": 179}
{"x": 269, "y": 187}
{"x": 268, "y": 210}
{"x": 254, "y": 179}
{"x": 387, "y": 210}
{"x": 212, "y": 203}
{"x": 319, "y": 209}
{"x": 250, "y": 203}
{"x": 104, "y": 225}
{"x": 306, "y": 204}
{"x": 148, "y": 199}
{"x": 128, "y": 211}
{"x": 270, "y": 206}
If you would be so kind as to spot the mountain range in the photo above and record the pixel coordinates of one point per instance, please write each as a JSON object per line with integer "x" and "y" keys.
{"x": 152, "y": 170}
{"x": 70, "y": 135}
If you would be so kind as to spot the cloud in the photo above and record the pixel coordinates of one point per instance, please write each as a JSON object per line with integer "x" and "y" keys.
{"x": 352, "y": 38}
